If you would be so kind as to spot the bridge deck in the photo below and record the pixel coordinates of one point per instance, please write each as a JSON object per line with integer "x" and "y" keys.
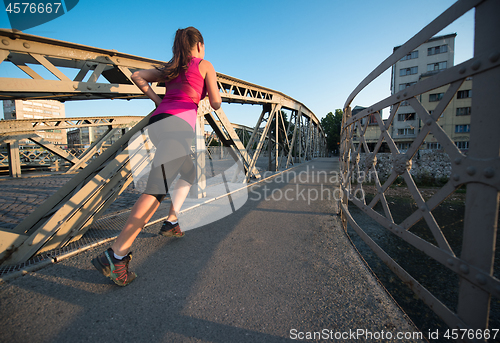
{"x": 271, "y": 267}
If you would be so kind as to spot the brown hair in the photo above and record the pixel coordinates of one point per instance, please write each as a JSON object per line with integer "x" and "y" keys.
{"x": 185, "y": 40}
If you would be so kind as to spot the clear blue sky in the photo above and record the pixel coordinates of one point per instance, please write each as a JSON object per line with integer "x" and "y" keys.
{"x": 314, "y": 51}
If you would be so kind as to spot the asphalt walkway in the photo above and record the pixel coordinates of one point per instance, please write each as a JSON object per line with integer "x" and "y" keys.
{"x": 278, "y": 269}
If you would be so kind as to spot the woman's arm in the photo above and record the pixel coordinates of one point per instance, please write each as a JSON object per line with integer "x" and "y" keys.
{"x": 142, "y": 78}
{"x": 208, "y": 72}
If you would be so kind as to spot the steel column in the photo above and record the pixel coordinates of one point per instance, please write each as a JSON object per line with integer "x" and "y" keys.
{"x": 482, "y": 201}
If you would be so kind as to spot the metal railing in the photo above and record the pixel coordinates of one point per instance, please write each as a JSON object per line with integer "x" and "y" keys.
{"x": 478, "y": 171}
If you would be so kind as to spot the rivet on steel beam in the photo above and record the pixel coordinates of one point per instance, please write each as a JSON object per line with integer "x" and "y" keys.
{"x": 405, "y": 94}
{"x": 75, "y": 86}
{"x": 89, "y": 88}
{"x": 456, "y": 177}
{"x": 462, "y": 70}
{"x": 398, "y": 96}
{"x": 26, "y": 45}
{"x": 471, "y": 170}
{"x": 5, "y": 42}
{"x": 481, "y": 279}
{"x": 458, "y": 160}
{"x": 450, "y": 261}
{"x": 428, "y": 122}
{"x": 464, "y": 268}
{"x": 494, "y": 57}
{"x": 489, "y": 172}
{"x": 118, "y": 60}
{"x": 423, "y": 208}
{"x": 476, "y": 65}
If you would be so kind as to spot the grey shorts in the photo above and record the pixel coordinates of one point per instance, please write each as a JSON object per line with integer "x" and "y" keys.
{"x": 172, "y": 138}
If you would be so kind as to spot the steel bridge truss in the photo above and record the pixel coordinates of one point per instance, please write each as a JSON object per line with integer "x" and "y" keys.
{"x": 479, "y": 170}
{"x": 106, "y": 74}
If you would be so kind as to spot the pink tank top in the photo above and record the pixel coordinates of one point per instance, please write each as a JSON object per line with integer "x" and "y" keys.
{"x": 184, "y": 93}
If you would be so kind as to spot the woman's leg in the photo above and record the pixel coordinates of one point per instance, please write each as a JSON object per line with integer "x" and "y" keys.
{"x": 140, "y": 214}
{"x": 178, "y": 196}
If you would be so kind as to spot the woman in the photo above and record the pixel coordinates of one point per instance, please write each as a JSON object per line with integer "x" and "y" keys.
{"x": 188, "y": 78}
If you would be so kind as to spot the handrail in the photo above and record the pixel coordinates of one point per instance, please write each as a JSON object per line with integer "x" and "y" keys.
{"x": 477, "y": 170}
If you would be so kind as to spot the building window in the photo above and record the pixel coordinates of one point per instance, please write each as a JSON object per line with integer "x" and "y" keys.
{"x": 27, "y": 102}
{"x": 462, "y": 128}
{"x": 406, "y": 85}
{"x": 55, "y": 107}
{"x": 435, "y": 97}
{"x": 408, "y": 71}
{"x": 406, "y": 131}
{"x": 27, "y": 109}
{"x": 464, "y": 94}
{"x": 436, "y": 66}
{"x": 437, "y": 50}
{"x": 403, "y": 146}
{"x": 462, "y": 145}
{"x": 410, "y": 56}
{"x": 406, "y": 116}
{"x": 463, "y": 111}
{"x": 433, "y": 146}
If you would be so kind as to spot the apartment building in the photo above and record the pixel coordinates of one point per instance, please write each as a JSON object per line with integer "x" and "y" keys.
{"x": 436, "y": 55}
{"x": 455, "y": 119}
{"x": 37, "y": 109}
{"x": 429, "y": 59}
{"x": 85, "y": 136}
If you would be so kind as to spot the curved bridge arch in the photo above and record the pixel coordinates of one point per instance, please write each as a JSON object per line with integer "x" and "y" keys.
{"x": 106, "y": 74}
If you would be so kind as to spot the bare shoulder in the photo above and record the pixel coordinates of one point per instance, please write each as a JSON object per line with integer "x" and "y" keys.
{"x": 206, "y": 67}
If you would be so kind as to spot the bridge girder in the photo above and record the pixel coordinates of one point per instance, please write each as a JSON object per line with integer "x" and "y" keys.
{"x": 106, "y": 74}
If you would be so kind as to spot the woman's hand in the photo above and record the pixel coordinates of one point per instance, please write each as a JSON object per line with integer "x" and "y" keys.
{"x": 142, "y": 78}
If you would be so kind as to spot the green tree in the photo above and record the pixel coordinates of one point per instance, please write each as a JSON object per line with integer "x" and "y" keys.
{"x": 331, "y": 123}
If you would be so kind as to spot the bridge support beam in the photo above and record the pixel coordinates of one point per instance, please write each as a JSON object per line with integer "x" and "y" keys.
{"x": 482, "y": 201}
{"x": 199, "y": 189}
{"x": 14, "y": 159}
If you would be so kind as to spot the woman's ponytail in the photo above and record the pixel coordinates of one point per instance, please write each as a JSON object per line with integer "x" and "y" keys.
{"x": 184, "y": 41}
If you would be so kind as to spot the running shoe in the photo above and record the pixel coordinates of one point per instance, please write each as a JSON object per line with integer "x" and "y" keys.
{"x": 116, "y": 270}
{"x": 171, "y": 230}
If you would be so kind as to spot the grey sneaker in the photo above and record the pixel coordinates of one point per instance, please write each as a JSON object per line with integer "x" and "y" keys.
{"x": 171, "y": 230}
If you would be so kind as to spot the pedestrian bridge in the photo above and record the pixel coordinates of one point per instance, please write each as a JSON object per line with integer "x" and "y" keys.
{"x": 471, "y": 293}
{"x": 106, "y": 74}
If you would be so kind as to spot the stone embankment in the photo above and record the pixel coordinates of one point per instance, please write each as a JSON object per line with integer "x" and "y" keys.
{"x": 429, "y": 167}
